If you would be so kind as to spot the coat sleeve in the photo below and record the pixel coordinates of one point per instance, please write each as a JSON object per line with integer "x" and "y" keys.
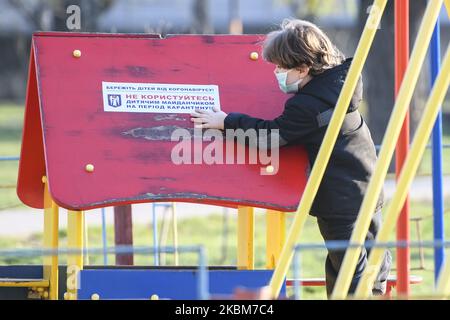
{"x": 294, "y": 125}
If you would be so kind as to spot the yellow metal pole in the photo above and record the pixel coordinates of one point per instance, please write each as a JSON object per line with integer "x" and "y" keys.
{"x": 275, "y": 236}
{"x": 447, "y": 6}
{"x": 406, "y": 177}
{"x": 388, "y": 146}
{"x": 245, "y": 238}
{"x": 327, "y": 145}
{"x": 74, "y": 260}
{"x": 51, "y": 226}
{"x": 175, "y": 232}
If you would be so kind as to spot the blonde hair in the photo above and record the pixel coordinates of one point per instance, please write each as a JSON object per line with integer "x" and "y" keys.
{"x": 299, "y": 43}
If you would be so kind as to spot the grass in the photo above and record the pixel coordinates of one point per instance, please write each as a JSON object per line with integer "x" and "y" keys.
{"x": 11, "y": 124}
{"x": 221, "y": 250}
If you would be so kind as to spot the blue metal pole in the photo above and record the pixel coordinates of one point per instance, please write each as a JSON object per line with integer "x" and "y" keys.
{"x": 105, "y": 244}
{"x": 9, "y": 158}
{"x": 155, "y": 236}
{"x": 296, "y": 266}
{"x": 203, "y": 281}
{"x": 438, "y": 202}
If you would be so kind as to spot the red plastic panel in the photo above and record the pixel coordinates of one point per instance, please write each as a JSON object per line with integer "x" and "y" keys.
{"x": 30, "y": 188}
{"x": 131, "y": 168}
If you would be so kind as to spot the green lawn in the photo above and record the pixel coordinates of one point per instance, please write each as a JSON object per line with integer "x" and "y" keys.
{"x": 11, "y": 123}
{"x": 208, "y": 231}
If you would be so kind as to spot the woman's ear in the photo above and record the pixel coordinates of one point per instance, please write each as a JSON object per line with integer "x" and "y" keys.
{"x": 304, "y": 70}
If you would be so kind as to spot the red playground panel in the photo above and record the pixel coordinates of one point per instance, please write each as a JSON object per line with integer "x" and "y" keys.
{"x": 81, "y": 111}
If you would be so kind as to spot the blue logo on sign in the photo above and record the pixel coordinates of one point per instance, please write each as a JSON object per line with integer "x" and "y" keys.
{"x": 114, "y": 100}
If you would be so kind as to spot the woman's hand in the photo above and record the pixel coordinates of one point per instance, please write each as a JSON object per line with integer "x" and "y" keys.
{"x": 208, "y": 119}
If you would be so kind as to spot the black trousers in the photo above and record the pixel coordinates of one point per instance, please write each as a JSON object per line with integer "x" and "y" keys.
{"x": 341, "y": 228}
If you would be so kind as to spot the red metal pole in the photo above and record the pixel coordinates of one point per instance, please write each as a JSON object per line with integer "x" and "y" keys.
{"x": 401, "y": 63}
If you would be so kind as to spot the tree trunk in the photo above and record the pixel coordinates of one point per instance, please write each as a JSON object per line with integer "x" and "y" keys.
{"x": 417, "y": 10}
{"x": 379, "y": 69}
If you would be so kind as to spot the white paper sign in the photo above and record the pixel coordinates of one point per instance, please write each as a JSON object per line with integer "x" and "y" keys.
{"x": 158, "y": 97}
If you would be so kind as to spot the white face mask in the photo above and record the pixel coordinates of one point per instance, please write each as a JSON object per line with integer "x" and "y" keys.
{"x": 287, "y": 88}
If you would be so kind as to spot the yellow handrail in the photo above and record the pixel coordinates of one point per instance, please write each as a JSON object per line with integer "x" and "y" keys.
{"x": 408, "y": 172}
{"x": 388, "y": 146}
{"x": 327, "y": 145}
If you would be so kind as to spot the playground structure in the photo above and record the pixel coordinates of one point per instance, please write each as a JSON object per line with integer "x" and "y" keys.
{"x": 83, "y": 142}
{"x": 72, "y": 149}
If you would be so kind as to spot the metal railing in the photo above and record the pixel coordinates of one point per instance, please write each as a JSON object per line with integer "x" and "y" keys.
{"x": 345, "y": 244}
{"x": 203, "y": 278}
